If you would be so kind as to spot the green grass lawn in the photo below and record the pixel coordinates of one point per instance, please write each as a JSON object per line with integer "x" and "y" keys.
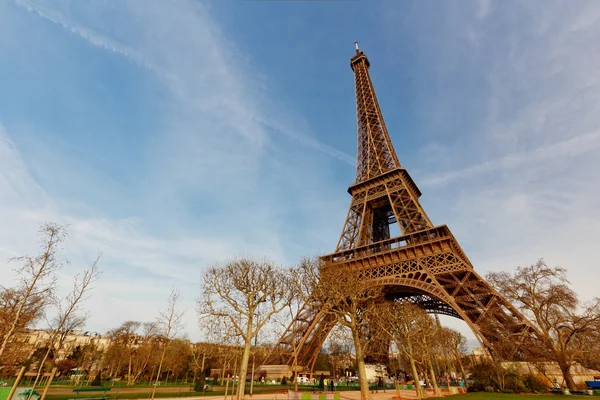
{"x": 123, "y": 384}
{"x": 185, "y": 392}
{"x": 506, "y": 396}
{"x": 122, "y": 396}
{"x": 144, "y": 391}
{"x": 275, "y": 388}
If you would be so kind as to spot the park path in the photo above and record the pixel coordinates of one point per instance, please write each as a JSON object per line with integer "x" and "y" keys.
{"x": 283, "y": 395}
{"x": 128, "y": 390}
{"x": 346, "y": 395}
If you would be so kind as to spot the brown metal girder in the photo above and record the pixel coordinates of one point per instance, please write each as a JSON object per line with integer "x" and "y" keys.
{"x": 412, "y": 241}
{"x": 477, "y": 301}
{"x": 460, "y": 283}
{"x": 311, "y": 362}
{"x": 525, "y": 332}
{"x": 396, "y": 173}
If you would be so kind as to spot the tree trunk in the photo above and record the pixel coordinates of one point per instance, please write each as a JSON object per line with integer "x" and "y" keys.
{"x": 360, "y": 362}
{"x": 42, "y": 364}
{"x": 462, "y": 372}
{"x": 565, "y": 368}
{"x": 295, "y": 366}
{"x": 245, "y": 359}
{"x": 226, "y": 388}
{"x": 426, "y": 376}
{"x": 413, "y": 367}
{"x": 162, "y": 358}
{"x": 433, "y": 379}
{"x": 129, "y": 382}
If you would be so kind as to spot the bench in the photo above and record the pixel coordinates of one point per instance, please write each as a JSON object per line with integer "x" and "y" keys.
{"x": 27, "y": 393}
{"x": 91, "y": 389}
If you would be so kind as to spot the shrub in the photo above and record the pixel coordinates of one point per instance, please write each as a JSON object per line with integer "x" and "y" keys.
{"x": 513, "y": 381}
{"x": 486, "y": 374}
{"x": 97, "y": 380}
{"x": 535, "y": 383}
{"x": 284, "y": 380}
{"x": 488, "y": 389}
{"x": 475, "y": 387}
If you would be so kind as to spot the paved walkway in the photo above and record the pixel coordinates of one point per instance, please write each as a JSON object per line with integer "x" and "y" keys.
{"x": 347, "y": 395}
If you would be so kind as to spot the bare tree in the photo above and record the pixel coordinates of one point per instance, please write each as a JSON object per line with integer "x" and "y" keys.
{"x": 10, "y": 301}
{"x": 339, "y": 349}
{"x": 351, "y": 300}
{"x": 543, "y": 295}
{"x": 145, "y": 355}
{"x": 177, "y": 358}
{"x": 67, "y": 318}
{"x": 200, "y": 354}
{"x": 429, "y": 333}
{"x": 406, "y": 324}
{"x": 37, "y": 277}
{"x": 133, "y": 349}
{"x": 246, "y": 293}
{"x": 591, "y": 357}
{"x": 221, "y": 334}
{"x": 295, "y": 304}
{"x": 169, "y": 322}
{"x": 124, "y": 340}
{"x": 455, "y": 345}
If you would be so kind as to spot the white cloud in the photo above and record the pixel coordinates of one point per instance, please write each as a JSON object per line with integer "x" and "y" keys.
{"x": 217, "y": 147}
{"x": 206, "y": 38}
{"x": 570, "y": 147}
{"x": 520, "y": 180}
{"x": 484, "y": 8}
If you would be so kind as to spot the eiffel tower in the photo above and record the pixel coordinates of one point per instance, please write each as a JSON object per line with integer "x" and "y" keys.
{"x": 425, "y": 265}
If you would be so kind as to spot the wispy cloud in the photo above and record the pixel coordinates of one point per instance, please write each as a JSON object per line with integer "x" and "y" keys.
{"x": 211, "y": 184}
{"x": 511, "y": 165}
{"x": 174, "y": 82}
{"x": 90, "y": 36}
{"x": 572, "y": 147}
{"x": 222, "y": 168}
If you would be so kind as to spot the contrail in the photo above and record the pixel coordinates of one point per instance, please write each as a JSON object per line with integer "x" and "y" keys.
{"x": 91, "y": 37}
{"x": 105, "y": 43}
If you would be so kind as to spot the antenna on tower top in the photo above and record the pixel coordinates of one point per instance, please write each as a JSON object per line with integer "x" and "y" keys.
{"x": 356, "y": 45}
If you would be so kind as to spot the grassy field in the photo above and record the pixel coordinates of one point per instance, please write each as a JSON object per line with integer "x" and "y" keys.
{"x": 129, "y": 395}
{"x": 131, "y": 392}
{"x": 272, "y": 389}
{"x": 185, "y": 392}
{"x": 505, "y": 396}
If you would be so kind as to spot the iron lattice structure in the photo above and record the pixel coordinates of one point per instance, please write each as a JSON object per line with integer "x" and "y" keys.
{"x": 425, "y": 265}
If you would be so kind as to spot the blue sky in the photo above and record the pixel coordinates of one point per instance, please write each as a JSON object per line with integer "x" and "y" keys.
{"x": 171, "y": 135}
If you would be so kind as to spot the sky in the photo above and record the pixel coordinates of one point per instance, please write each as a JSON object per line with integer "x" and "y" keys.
{"x": 174, "y": 135}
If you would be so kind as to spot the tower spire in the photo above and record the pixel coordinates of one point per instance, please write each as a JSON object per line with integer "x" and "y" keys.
{"x": 384, "y": 193}
{"x": 376, "y": 154}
